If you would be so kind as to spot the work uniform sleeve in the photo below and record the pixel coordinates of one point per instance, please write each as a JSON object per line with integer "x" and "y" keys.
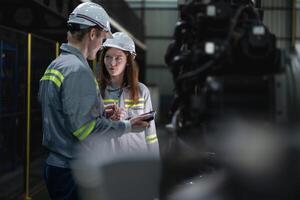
{"x": 81, "y": 106}
{"x": 150, "y": 133}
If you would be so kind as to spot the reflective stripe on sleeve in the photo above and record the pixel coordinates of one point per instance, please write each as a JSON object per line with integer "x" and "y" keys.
{"x": 51, "y": 78}
{"x": 110, "y": 100}
{"x": 54, "y": 76}
{"x": 150, "y": 139}
{"x": 55, "y": 72}
{"x": 85, "y": 130}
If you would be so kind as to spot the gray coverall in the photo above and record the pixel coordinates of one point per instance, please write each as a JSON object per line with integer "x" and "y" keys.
{"x": 72, "y": 107}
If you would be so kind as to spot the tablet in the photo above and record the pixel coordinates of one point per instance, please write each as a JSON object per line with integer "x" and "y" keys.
{"x": 150, "y": 115}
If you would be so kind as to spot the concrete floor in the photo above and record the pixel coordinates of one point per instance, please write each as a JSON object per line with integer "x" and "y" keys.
{"x": 12, "y": 184}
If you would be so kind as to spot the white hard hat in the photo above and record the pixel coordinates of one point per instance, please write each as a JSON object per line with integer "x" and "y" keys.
{"x": 121, "y": 41}
{"x": 90, "y": 14}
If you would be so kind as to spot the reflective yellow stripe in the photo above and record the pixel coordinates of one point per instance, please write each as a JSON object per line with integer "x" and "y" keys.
{"x": 133, "y": 105}
{"x": 110, "y": 100}
{"x": 97, "y": 86}
{"x": 152, "y": 136}
{"x": 85, "y": 130}
{"x": 131, "y": 100}
{"x": 151, "y": 139}
{"x": 53, "y": 75}
{"x": 55, "y": 72}
{"x": 52, "y": 78}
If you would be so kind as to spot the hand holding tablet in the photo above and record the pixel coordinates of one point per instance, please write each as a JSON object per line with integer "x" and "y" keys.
{"x": 148, "y": 116}
{"x": 145, "y": 116}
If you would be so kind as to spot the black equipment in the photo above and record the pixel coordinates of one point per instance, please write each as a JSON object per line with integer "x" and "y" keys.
{"x": 225, "y": 66}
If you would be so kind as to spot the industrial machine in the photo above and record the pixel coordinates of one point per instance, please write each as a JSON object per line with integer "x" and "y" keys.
{"x": 228, "y": 73}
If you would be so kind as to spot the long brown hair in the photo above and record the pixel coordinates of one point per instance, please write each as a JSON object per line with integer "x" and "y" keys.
{"x": 131, "y": 76}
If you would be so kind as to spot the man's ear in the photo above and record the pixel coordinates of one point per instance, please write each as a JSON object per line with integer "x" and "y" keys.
{"x": 92, "y": 34}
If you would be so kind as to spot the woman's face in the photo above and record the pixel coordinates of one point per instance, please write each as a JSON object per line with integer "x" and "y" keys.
{"x": 115, "y": 62}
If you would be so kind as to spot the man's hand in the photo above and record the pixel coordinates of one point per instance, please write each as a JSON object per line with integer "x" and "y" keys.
{"x": 139, "y": 123}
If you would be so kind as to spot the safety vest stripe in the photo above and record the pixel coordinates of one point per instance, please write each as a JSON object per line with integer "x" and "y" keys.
{"x": 110, "y": 100}
{"x": 85, "y": 130}
{"x": 150, "y": 139}
{"x": 55, "y": 72}
{"x": 131, "y": 100}
{"x": 53, "y": 79}
{"x": 133, "y": 105}
{"x": 125, "y": 100}
{"x": 97, "y": 86}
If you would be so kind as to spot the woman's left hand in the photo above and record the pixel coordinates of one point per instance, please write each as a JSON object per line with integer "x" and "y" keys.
{"x": 115, "y": 113}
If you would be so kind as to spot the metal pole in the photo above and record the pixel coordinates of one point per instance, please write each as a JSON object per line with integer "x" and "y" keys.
{"x": 27, "y": 197}
{"x": 56, "y": 49}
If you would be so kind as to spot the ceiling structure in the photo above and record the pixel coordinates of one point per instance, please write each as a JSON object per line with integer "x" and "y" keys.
{"x": 48, "y": 18}
{"x": 42, "y": 17}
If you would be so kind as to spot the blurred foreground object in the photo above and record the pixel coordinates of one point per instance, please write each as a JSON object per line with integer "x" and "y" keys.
{"x": 260, "y": 162}
{"x": 103, "y": 172}
{"x": 226, "y": 66}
